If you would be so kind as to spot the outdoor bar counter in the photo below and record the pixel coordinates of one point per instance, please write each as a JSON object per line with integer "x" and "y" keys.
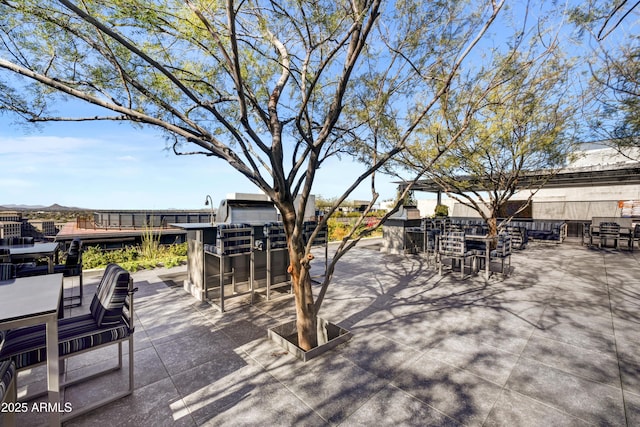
{"x": 228, "y": 260}
{"x": 197, "y": 235}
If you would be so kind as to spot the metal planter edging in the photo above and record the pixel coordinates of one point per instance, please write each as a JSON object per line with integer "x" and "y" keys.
{"x": 330, "y": 335}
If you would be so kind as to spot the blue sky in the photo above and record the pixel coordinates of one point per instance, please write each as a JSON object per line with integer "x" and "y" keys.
{"x": 111, "y": 165}
{"x": 108, "y": 165}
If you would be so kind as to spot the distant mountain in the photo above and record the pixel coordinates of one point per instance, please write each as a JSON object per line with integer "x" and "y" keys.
{"x": 57, "y": 207}
{"x": 22, "y": 207}
{"x": 54, "y": 208}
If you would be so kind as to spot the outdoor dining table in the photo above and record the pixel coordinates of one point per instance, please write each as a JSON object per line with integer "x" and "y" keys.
{"x": 487, "y": 244}
{"x": 32, "y": 301}
{"x": 35, "y": 251}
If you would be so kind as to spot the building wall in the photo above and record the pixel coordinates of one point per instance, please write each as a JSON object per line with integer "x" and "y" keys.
{"x": 44, "y": 228}
{"x": 573, "y": 207}
{"x": 605, "y": 156}
{"x": 10, "y": 216}
{"x": 427, "y": 207}
{"x": 582, "y": 194}
{"x": 572, "y": 204}
{"x": 10, "y": 229}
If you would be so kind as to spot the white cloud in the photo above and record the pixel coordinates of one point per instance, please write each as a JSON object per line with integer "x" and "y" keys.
{"x": 13, "y": 183}
{"x": 44, "y": 144}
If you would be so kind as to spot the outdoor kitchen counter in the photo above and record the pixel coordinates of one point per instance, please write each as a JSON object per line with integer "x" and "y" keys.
{"x": 198, "y": 234}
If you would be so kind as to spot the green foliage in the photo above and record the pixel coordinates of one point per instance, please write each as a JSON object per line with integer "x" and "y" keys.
{"x": 150, "y": 242}
{"x": 179, "y": 250}
{"x": 524, "y": 124}
{"x": 339, "y": 229}
{"x": 442, "y": 210}
{"x": 356, "y": 214}
{"x": 271, "y": 88}
{"x": 133, "y": 258}
{"x": 615, "y": 70}
{"x": 324, "y": 203}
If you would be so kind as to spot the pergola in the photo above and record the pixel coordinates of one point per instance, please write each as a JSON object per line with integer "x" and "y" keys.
{"x": 606, "y": 175}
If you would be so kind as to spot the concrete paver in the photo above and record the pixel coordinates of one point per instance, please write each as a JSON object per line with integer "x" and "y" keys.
{"x": 554, "y": 343}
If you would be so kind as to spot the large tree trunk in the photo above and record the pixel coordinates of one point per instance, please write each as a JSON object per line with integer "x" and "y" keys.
{"x": 299, "y": 266}
{"x": 492, "y": 223}
{"x": 305, "y": 308}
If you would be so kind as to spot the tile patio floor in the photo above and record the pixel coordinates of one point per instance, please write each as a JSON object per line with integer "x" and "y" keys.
{"x": 556, "y": 343}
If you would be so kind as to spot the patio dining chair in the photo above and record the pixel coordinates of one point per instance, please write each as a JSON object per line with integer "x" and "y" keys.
{"x": 609, "y": 231}
{"x": 8, "y": 391}
{"x": 453, "y": 247}
{"x": 5, "y": 255}
{"x": 587, "y": 236}
{"x": 432, "y": 238}
{"x": 502, "y": 251}
{"x": 72, "y": 267}
{"x": 634, "y": 237}
{"x": 7, "y": 271}
{"x": 109, "y": 322}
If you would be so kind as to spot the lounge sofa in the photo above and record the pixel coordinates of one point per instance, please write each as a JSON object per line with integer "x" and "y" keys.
{"x": 550, "y": 231}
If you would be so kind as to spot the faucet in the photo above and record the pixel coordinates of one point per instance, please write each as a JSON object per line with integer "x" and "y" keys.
{"x": 208, "y": 201}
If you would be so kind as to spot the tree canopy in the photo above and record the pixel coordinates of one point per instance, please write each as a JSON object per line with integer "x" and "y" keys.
{"x": 522, "y": 126}
{"x": 273, "y": 88}
{"x": 612, "y": 30}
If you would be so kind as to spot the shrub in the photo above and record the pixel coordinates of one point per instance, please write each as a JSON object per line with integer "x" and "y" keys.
{"x": 131, "y": 258}
{"x": 338, "y": 229}
{"x": 442, "y": 210}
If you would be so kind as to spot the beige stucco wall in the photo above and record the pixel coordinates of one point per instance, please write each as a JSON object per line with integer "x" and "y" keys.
{"x": 579, "y": 204}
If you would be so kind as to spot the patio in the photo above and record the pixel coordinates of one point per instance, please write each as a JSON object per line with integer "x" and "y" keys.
{"x": 555, "y": 343}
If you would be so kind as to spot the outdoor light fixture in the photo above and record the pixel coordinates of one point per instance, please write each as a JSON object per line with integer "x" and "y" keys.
{"x": 209, "y": 202}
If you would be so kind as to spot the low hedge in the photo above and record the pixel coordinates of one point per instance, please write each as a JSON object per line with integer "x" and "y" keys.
{"x": 132, "y": 259}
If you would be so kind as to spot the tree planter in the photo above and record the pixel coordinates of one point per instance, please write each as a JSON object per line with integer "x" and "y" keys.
{"x": 329, "y": 336}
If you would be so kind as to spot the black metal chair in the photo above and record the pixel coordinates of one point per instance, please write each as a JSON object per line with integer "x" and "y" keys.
{"x": 453, "y": 246}
{"x": 5, "y": 255}
{"x": 109, "y": 322}
{"x": 609, "y": 231}
{"x": 7, "y": 271}
{"x": 502, "y": 251}
{"x": 432, "y": 238}
{"x": 8, "y": 391}
{"x": 72, "y": 267}
{"x": 587, "y": 238}
{"x": 634, "y": 236}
